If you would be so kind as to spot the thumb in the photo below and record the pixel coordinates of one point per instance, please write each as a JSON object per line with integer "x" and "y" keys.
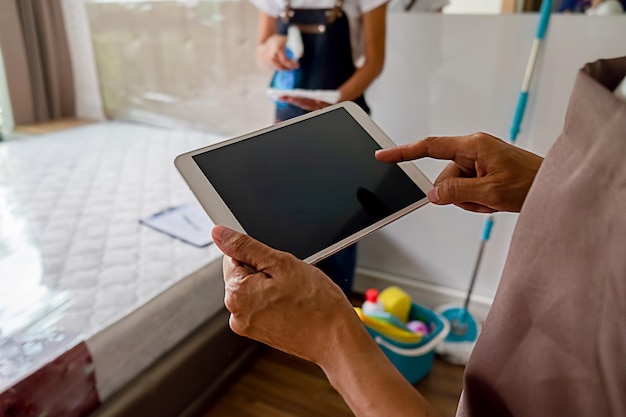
{"x": 242, "y": 248}
{"x": 457, "y": 190}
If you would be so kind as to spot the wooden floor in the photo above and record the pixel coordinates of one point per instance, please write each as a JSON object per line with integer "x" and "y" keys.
{"x": 279, "y": 385}
{"x": 48, "y": 127}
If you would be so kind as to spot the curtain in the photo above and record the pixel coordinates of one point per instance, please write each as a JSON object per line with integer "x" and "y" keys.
{"x": 86, "y": 84}
{"x": 37, "y": 60}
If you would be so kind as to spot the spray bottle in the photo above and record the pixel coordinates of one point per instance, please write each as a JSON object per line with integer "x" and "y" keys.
{"x": 294, "y": 48}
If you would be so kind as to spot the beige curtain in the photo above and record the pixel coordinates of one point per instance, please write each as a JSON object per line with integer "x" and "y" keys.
{"x": 37, "y": 61}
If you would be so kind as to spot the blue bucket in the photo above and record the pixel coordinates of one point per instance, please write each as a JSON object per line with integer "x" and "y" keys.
{"x": 414, "y": 360}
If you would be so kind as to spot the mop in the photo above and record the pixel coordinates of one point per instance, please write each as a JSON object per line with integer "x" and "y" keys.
{"x": 458, "y": 345}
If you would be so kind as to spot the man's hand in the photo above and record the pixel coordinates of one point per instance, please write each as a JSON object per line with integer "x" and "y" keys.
{"x": 294, "y": 307}
{"x": 279, "y": 300}
{"x": 486, "y": 174}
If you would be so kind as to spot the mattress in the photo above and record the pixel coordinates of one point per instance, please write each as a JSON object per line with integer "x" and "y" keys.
{"x": 89, "y": 297}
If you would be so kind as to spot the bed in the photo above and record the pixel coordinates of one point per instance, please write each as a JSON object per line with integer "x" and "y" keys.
{"x": 91, "y": 301}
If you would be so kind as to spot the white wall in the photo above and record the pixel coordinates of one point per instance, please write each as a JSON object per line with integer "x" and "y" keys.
{"x": 453, "y": 75}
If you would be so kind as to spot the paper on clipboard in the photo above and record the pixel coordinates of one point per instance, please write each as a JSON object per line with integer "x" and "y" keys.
{"x": 188, "y": 223}
{"x": 328, "y": 96}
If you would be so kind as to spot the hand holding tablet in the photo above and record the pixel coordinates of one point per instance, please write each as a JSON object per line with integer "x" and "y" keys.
{"x": 309, "y": 186}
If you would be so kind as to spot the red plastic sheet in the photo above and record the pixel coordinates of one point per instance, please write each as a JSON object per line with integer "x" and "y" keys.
{"x": 65, "y": 387}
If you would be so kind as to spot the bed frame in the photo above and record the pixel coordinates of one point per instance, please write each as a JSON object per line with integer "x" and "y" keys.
{"x": 188, "y": 378}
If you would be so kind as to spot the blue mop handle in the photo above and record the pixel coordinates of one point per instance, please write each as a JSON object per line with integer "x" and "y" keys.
{"x": 487, "y": 228}
{"x": 544, "y": 19}
{"x": 519, "y": 114}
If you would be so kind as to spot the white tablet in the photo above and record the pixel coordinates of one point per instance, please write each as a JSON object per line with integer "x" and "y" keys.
{"x": 310, "y": 185}
{"x": 329, "y": 96}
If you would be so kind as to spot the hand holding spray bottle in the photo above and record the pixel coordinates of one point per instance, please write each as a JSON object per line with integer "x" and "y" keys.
{"x": 294, "y": 48}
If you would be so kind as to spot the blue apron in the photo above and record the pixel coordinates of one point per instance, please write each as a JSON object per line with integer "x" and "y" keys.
{"x": 327, "y": 60}
{"x": 326, "y": 65}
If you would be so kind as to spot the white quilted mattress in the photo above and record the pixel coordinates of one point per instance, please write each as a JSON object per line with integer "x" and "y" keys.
{"x": 76, "y": 265}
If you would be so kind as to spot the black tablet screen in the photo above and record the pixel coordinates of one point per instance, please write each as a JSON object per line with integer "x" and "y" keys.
{"x": 306, "y": 186}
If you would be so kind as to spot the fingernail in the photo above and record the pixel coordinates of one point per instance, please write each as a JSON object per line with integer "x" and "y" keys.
{"x": 222, "y": 234}
{"x": 433, "y": 195}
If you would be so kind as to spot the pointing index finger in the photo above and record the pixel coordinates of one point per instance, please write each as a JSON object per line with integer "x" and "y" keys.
{"x": 438, "y": 147}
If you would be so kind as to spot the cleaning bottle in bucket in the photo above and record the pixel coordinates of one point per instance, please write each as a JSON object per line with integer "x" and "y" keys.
{"x": 418, "y": 326}
{"x": 371, "y": 305}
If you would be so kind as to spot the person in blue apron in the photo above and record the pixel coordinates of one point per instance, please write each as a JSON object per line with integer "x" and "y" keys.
{"x": 335, "y": 35}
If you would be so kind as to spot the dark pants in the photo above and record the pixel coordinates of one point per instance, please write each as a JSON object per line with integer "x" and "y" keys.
{"x": 340, "y": 268}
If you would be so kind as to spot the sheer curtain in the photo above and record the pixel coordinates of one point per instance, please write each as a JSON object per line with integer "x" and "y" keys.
{"x": 37, "y": 60}
{"x": 6, "y": 112}
{"x": 88, "y": 98}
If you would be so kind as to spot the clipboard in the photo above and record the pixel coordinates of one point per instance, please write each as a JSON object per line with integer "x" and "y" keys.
{"x": 187, "y": 222}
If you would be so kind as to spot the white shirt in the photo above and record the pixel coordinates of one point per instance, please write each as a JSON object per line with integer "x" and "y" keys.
{"x": 354, "y": 10}
{"x": 606, "y": 8}
{"x": 420, "y": 6}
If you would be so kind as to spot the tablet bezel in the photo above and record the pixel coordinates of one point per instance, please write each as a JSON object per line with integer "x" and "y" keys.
{"x": 218, "y": 210}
